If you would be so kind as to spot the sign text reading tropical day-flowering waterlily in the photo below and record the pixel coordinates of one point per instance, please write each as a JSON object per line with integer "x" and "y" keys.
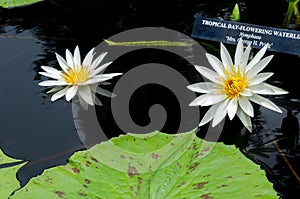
{"x": 280, "y": 40}
{"x": 251, "y": 29}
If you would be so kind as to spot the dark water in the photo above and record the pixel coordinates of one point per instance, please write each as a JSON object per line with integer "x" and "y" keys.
{"x": 43, "y": 133}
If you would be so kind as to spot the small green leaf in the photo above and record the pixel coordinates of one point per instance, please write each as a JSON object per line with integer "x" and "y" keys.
{"x": 155, "y": 165}
{"x": 8, "y": 180}
{"x": 235, "y": 16}
{"x": 150, "y": 43}
{"x": 16, "y": 3}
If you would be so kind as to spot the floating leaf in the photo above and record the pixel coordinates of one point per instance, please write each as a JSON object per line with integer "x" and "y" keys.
{"x": 235, "y": 15}
{"x": 8, "y": 170}
{"x": 150, "y": 43}
{"x": 155, "y": 165}
{"x": 16, "y": 3}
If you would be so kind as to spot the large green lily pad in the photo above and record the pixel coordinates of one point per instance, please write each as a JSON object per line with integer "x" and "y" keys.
{"x": 16, "y": 3}
{"x": 157, "y": 166}
{"x": 8, "y": 180}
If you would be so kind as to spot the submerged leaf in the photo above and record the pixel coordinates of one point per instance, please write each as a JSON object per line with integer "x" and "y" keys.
{"x": 154, "y": 165}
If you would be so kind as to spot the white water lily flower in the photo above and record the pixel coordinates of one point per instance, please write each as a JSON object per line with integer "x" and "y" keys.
{"x": 78, "y": 77}
{"x": 233, "y": 86}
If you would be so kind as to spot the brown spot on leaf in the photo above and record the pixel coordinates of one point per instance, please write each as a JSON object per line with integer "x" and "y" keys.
{"x": 132, "y": 171}
{"x": 223, "y": 185}
{"x": 193, "y": 166}
{"x": 131, "y": 188}
{"x": 75, "y": 170}
{"x": 48, "y": 179}
{"x": 131, "y": 158}
{"x": 247, "y": 173}
{"x": 199, "y": 185}
{"x": 141, "y": 164}
{"x": 87, "y": 181}
{"x": 205, "y": 176}
{"x": 88, "y": 163}
{"x": 94, "y": 159}
{"x": 203, "y": 152}
{"x": 122, "y": 156}
{"x": 155, "y": 156}
{"x": 229, "y": 177}
{"x": 59, "y": 193}
{"x": 82, "y": 194}
{"x": 206, "y": 196}
{"x": 181, "y": 184}
{"x": 140, "y": 180}
{"x": 85, "y": 186}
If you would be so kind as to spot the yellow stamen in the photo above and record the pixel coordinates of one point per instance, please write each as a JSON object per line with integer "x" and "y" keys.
{"x": 78, "y": 75}
{"x": 234, "y": 83}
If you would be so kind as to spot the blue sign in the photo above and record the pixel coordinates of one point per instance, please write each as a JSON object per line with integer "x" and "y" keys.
{"x": 280, "y": 40}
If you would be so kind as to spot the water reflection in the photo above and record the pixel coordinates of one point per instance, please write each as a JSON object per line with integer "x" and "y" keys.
{"x": 290, "y": 132}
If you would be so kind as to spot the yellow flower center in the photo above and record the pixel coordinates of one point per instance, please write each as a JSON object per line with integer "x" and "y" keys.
{"x": 78, "y": 75}
{"x": 234, "y": 83}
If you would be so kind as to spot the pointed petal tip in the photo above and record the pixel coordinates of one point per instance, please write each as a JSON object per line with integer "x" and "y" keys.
{"x": 249, "y": 128}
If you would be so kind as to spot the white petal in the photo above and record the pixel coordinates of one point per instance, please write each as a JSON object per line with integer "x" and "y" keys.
{"x": 71, "y": 92}
{"x": 276, "y": 90}
{"x": 62, "y": 62}
{"x": 104, "y": 92}
{"x": 259, "y": 67}
{"x": 208, "y": 99}
{"x": 93, "y": 87}
{"x": 265, "y": 102}
{"x": 257, "y": 57}
{"x": 259, "y": 78}
{"x": 247, "y": 92}
{"x": 262, "y": 89}
{"x": 238, "y": 53}
{"x": 104, "y": 83}
{"x": 215, "y": 63}
{"x": 97, "y": 101}
{"x": 54, "y": 89}
{"x": 220, "y": 113}
{"x": 101, "y": 78}
{"x": 51, "y": 70}
{"x": 100, "y": 68}
{"x": 208, "y": 116}
{"x": 245, "y": 58}
{"x": 232, "y": 108}
{"x": 209, "y": 74}
{"x": 245, "y": 119}
{"x": 52, "y": 83}
{"x": 88, "y": 58}
{"x": 202, "y": 87}
{"x": 50, "y": 75}
{"x": 69, "y": 58}
{"x": 77, "y": 58}
{"x": 98, "y": 60}
{"x": 86, "y": 94}
{"x": 225, "y": 57}
{"x": 246, "y": 106}
{"x": 59, "y": 94}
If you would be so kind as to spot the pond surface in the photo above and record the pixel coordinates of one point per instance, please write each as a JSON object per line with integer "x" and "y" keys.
{"x": 43, "y": 133}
